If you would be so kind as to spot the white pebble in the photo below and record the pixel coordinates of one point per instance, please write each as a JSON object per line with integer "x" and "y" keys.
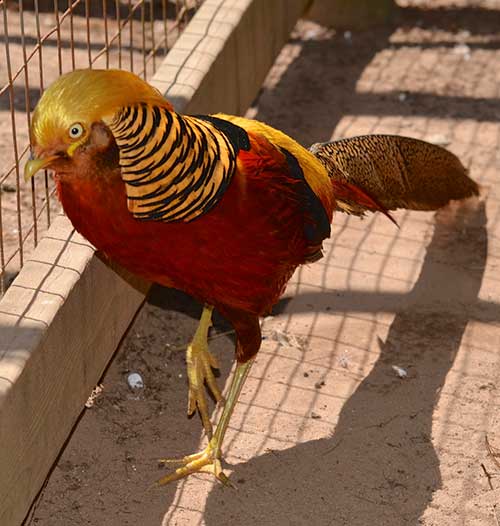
{"x": 402, "y": 373}
{"x": 461, "y": 49}
{"x": 135, "y": 381}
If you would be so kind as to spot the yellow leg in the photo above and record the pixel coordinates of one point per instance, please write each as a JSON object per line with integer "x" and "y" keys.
{"x": 199, "y": 370}
{"x": 209, "y": 460}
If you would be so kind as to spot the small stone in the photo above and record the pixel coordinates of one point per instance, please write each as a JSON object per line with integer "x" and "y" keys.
{"x": 135, "y": 381}
{"x": 461, "y": 49}
{"x": 306, "y": 375}
{"x": 315, "y": 416}
{"x": 319, "y": 385}
{"x": 402, "y": 373}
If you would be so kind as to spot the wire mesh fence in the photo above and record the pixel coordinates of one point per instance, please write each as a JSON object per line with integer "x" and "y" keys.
{"x": 41, "y": 40}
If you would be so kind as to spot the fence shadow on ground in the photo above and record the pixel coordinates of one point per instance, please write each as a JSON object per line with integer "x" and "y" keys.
{"x": 380, "y": 461}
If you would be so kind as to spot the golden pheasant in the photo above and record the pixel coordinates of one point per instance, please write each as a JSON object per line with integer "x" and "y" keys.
{"x": 222, "y": 207}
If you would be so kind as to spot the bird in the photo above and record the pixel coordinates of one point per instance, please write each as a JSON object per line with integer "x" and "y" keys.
{"x": 222, "y": 207}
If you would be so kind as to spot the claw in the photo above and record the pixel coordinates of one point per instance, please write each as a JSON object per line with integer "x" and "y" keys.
{"x": 205, "y": 461}
{"x": 209, "y": 460}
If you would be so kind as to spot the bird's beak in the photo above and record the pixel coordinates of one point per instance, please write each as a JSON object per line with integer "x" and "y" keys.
{"x": 35, "y": 165}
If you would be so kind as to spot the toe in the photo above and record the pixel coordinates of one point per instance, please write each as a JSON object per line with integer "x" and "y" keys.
{"x": 212, "y": 383}
{"x": 198, "y": 400}
{"x": 203, "y": 462}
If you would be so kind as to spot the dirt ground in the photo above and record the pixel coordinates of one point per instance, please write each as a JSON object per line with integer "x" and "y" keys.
{"x": 327, "y": 432}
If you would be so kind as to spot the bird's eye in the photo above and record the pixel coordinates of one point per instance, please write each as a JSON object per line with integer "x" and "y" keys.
{"x": 76, "y": 130}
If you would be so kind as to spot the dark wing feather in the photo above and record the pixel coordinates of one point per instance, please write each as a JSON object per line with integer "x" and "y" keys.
{"x": 396, "y": 172}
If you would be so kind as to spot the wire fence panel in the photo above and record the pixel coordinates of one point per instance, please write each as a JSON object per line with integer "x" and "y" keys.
{"x": 42, "y": 39}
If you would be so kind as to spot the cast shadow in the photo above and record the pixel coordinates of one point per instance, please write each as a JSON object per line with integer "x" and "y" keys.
{"x": 174, "y": 300}
{"x": 332, "y": 93}
{"x": 379, "y": 464}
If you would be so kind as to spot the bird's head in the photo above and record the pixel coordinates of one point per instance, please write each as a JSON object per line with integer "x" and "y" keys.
{"x": 69, "y": 119}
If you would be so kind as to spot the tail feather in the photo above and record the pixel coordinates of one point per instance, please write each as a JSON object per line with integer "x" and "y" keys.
{"x": 350, "y": 197}
{"x": 386, "y": 172}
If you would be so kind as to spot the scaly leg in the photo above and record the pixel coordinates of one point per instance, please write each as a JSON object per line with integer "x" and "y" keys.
{"x": 209, "y": 460}
{"x": 199, "y": 370}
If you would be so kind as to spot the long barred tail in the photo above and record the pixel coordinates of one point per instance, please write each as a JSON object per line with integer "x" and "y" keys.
{"x": 386, "y": 172}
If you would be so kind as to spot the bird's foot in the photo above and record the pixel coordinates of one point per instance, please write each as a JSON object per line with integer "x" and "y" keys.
{"x": 200, "y": 362}
{"x": 209, "y": 460}
{"x": 206, "y": 461}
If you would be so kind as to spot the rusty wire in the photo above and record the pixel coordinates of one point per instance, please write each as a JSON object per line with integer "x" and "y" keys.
{"x": 42, "y": 39}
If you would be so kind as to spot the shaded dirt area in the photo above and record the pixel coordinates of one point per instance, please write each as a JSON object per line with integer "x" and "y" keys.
{"x": 327, "y": 433}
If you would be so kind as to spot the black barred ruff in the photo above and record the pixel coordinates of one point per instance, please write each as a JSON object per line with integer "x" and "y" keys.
{"x": 175, "y": 168}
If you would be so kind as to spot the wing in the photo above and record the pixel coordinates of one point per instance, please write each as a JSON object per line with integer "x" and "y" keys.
{"x": 311, "y": 167}
{"x": 272, "y": 184}
{"x": 175, "y": 168}
{"x": 393, "y": 172}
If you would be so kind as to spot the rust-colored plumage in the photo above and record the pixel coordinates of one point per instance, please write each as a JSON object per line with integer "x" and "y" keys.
{"x": 222, "y": 207}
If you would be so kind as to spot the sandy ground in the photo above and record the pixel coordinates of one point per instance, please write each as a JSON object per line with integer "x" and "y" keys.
{"x": 326, "y": 432}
